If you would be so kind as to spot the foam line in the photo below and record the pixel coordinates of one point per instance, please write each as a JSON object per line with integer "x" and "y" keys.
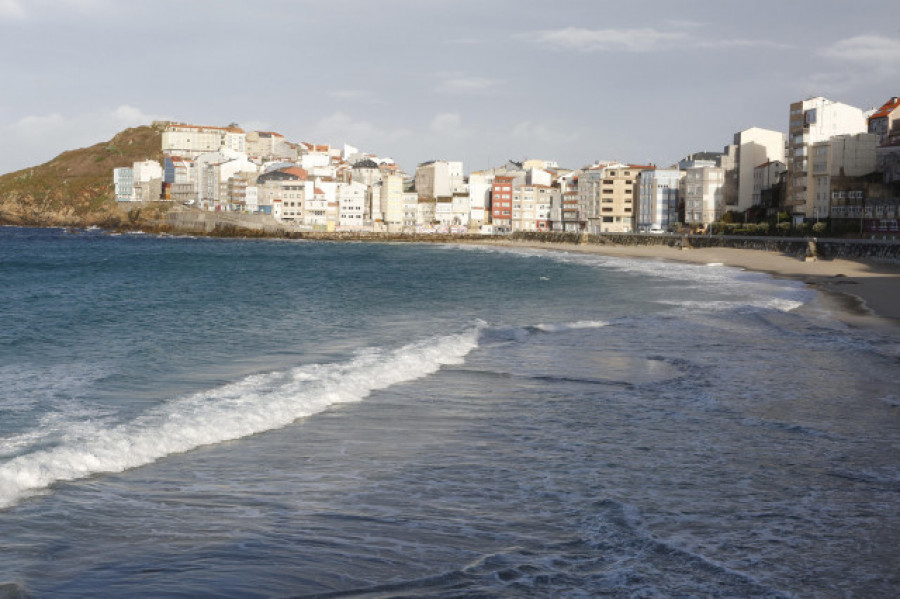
{"x": 255, "y": 404}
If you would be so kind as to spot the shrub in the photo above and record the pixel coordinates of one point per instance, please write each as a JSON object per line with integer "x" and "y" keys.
{"x": 819, "y": 228}
{"x": 783, "y": 228}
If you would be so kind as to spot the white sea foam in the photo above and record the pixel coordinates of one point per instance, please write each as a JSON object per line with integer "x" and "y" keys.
{"x": 758, "y": 287}
{"x": 779, "y": 304}
{"x": 571, "y": 326}
{"x": 255, "y": 404}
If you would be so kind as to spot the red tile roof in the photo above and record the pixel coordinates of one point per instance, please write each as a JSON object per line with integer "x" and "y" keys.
{"x": 889, "y": 107}
{"x": 297, "y": 171}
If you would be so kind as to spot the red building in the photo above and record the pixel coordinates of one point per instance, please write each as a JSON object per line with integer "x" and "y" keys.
{"x": 501, "y": 203}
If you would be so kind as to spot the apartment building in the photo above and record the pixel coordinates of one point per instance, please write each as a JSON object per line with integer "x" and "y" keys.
{"x": 531, "y": 206}
{"x": 657, "y": 199}
{"x": 480, "y": 186}
{"x": 704, "y": 195}
{"x": 438, "y": 178}
{"x": 812, "y": 121}
{"x": 607, "y": 197}
{"x": 502, "y": 202}
{"x": 839, "y": 156}
{"x": 189, "y": 141}
{"x": 753, "y": 147}
{"x": 767, "y": 179}
{"x": 352, "y": 200}
{"x": 123, "y": 180}
{"x": 287, "y": 186}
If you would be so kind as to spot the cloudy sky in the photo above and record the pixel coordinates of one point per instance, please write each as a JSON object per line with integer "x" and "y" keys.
{"x": 481, "y": 81}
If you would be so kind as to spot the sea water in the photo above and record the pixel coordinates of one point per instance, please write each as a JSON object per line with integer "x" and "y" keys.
{"x": 195, "y": 417}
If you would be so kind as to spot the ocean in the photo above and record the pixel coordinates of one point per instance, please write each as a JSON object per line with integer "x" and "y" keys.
{"x": 186, "y": 417}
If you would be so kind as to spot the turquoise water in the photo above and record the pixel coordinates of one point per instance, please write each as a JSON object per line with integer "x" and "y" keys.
{"x": 183, "y": 417}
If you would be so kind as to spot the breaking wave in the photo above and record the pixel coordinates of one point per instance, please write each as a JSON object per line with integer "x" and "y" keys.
{"x": 253, "y": 405}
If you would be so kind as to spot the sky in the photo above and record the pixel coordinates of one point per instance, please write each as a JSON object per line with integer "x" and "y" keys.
{"x": 481, "y": 81}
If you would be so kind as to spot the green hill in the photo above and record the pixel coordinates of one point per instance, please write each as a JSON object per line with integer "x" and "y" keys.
{"x": 76, "y": 187}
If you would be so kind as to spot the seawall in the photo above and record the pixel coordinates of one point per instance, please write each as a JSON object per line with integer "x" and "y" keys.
{"x": 218, "y": 224}
{"x": 851, "y": 249}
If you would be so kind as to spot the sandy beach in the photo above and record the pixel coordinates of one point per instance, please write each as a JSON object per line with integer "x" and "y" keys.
{"x": 859, "y": 293}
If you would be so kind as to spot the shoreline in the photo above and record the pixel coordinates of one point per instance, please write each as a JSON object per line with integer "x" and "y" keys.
{"x": 859, "y": 293}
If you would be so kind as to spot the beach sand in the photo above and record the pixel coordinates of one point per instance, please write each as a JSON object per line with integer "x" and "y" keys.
{"x": 859, "y": 293}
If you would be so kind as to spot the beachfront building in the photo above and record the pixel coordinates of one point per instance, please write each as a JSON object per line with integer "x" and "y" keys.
{"x": 213, "y": 172}
{"x": 352, "y": 200}
{"x": 704, "y": 195}
{"x": 366, "y": 171}
{"x": 569, "y": 214}
{"x": 426, "y": 210}
{"x": 812, "y": 121}
{"x": 768, "y": 183}
{"x": 657, "y": 199}
{"x": 606, "y": 197}
{"x": 461, "y": 211}
{"x": 237, "y": 186}
{"x": 438, "y": 178}
{"x": 480, "y": 186}
{"x": 531, "y": 206}
{"x": 837, "y": 157}
{"x": 410, "y": 210}
{"x": 287, "y": 185}
{"x": 392, "y": 203}
{"x": 501, "y": 202}
{"x": 754, "y": 146}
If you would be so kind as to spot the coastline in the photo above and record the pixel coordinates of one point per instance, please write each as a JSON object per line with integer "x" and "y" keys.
{"x": 856, "y": 292}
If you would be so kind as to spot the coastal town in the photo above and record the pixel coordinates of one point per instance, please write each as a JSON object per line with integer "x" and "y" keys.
{"x": 837, "y": 169}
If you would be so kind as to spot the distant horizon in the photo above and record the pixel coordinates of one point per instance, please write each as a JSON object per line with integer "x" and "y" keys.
{"x": 481, "y": 83}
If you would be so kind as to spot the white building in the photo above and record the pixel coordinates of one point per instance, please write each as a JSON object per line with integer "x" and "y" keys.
{"x": 480, "y": 186}
{"x": 147, "y": 170}
{"x": 321, "y": 212}
{"x": 352, "y": 200}
{"x": 123, "y": 178}
{"x": 189, "y": 141}
{"x": 213, "y": 171}
{"x": 754, "y": 146}
{"x": 264, "y": 145}
{"x": 438, "y": 178}
{"x": 812, "y": 121}
{"x": 392, "y": 203}
{"x": 538, "y": 176}
{"x": 410, "y": 211}
{"x": 251, "y": 199}
{"x": 704, "y": 198}
{"x": 658, "y": 199}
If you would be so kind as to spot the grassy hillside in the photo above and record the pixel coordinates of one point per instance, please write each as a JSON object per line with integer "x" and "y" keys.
{"x": 76, "y": 187}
